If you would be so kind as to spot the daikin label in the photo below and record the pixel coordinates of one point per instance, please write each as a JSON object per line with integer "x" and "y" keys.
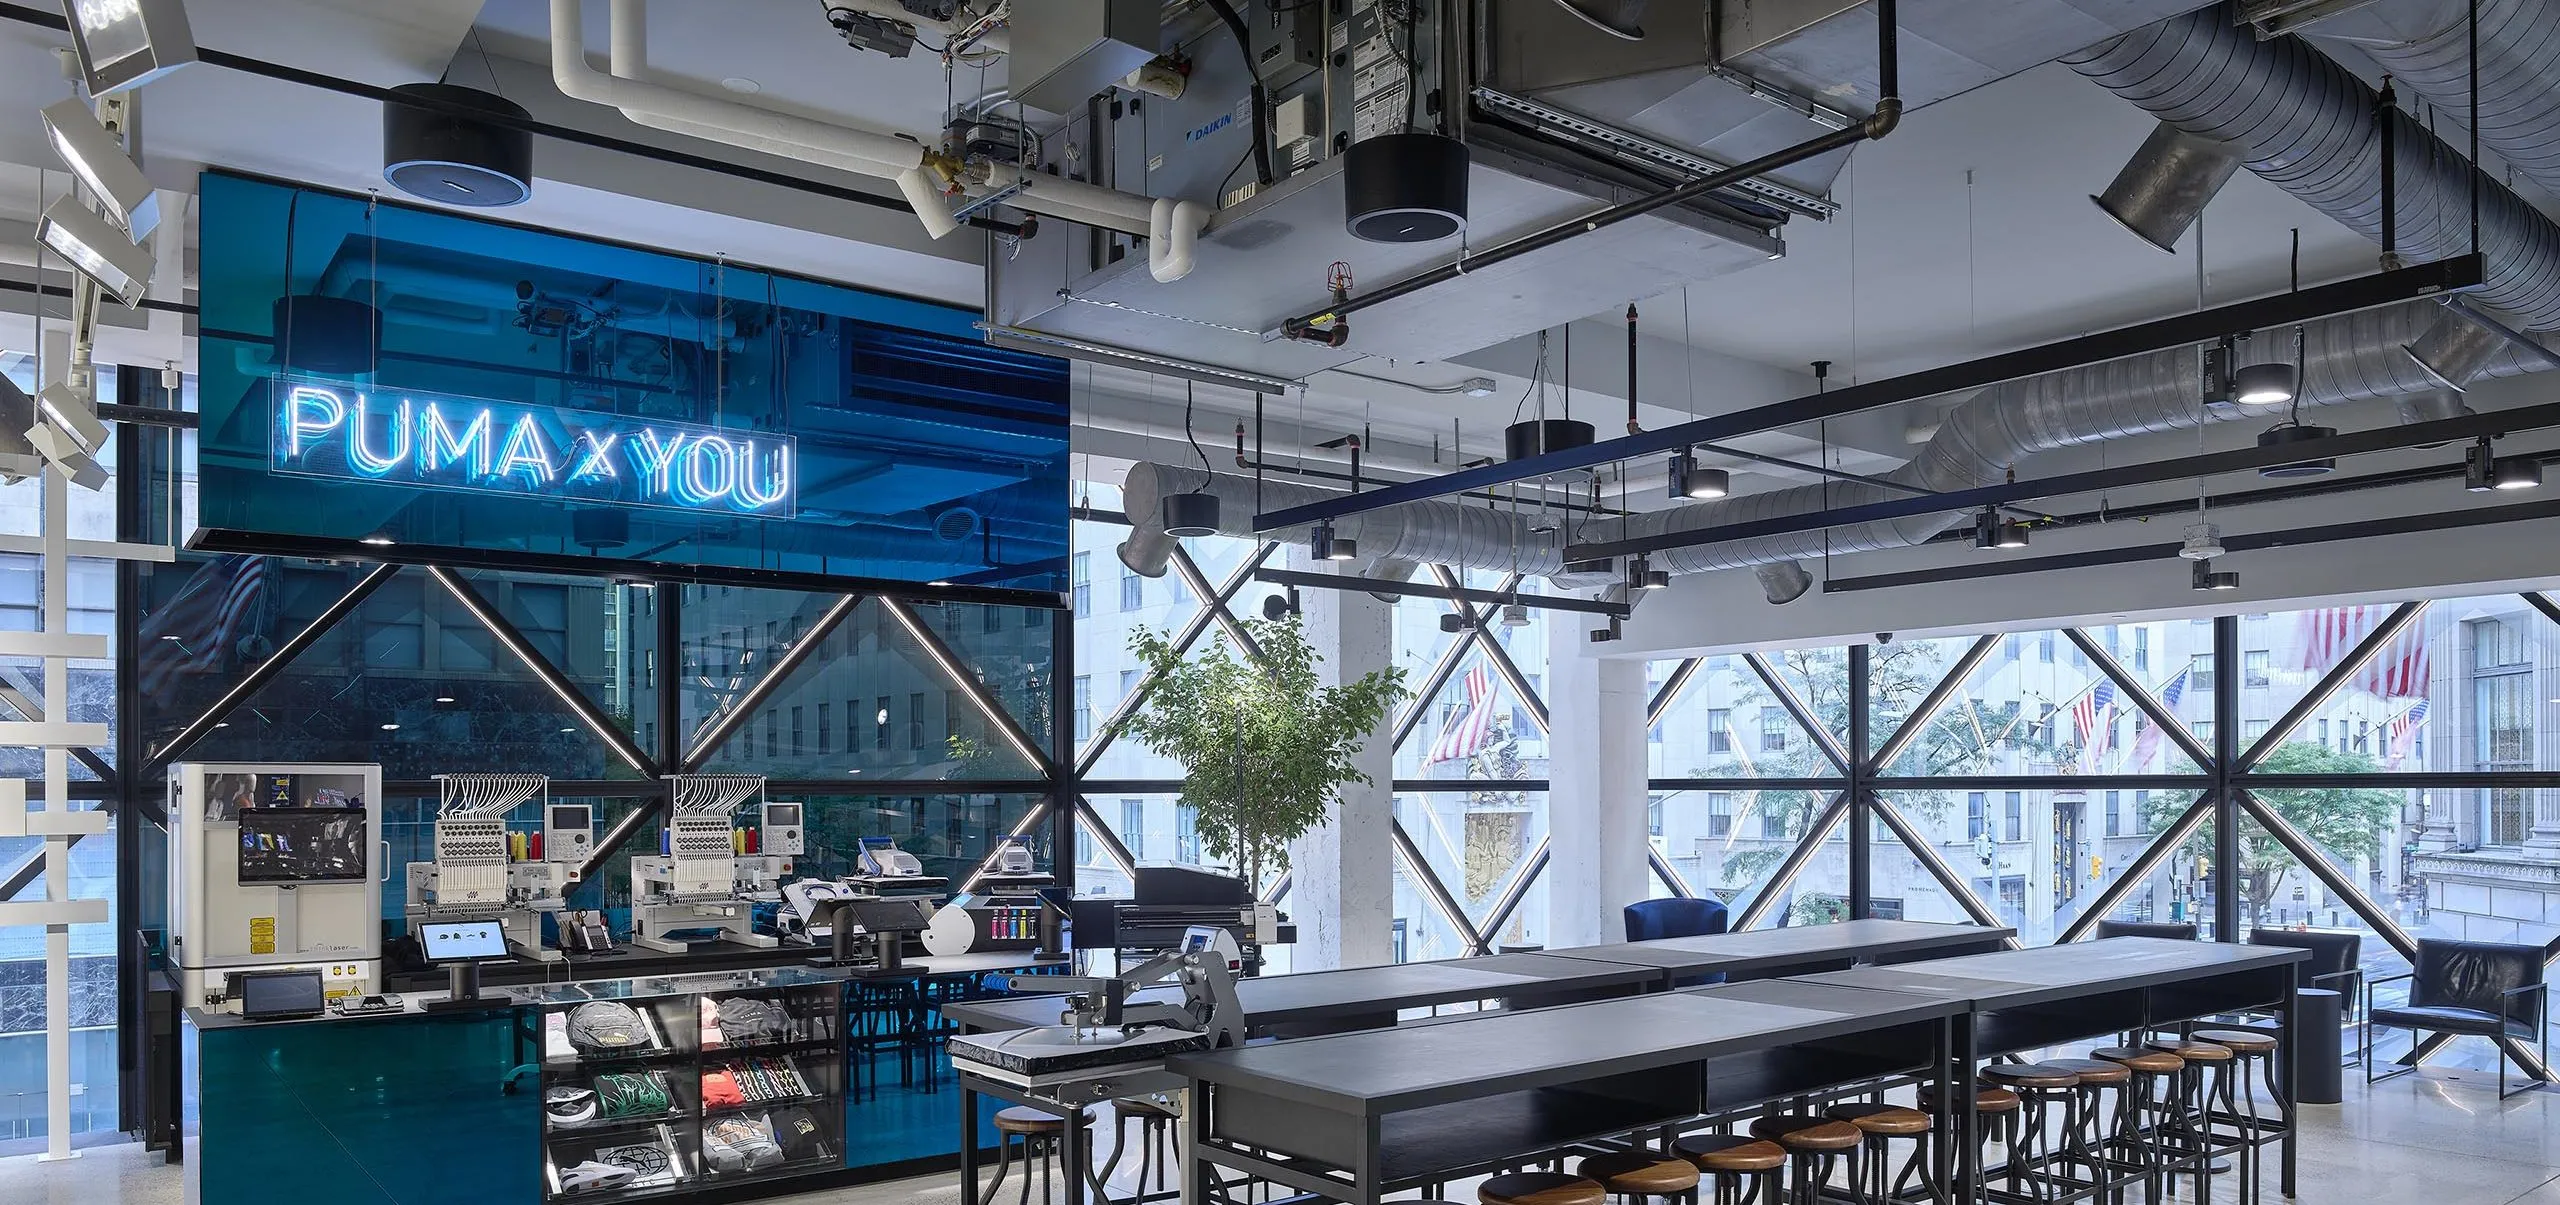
{"x": 440, "y": 441}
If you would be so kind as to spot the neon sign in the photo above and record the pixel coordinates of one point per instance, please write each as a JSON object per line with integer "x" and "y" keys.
{"x": 438, "y": 441}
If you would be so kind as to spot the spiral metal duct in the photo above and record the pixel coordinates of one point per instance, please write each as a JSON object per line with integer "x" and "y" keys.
{"x": 2425, "y": 45}
{"x": 2298, "y": 119}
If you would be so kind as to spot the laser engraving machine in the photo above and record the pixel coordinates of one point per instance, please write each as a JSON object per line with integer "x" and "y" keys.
{"x": 275, "y": 867}
{"x": 704, "y": 884}
{"x": 483, "y": 872}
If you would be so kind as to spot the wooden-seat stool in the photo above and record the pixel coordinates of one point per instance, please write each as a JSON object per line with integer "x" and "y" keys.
{"x": 1814, "y": 1145}
{"x": 2039, "y": 1087}
{"x": 1880, "y": 1124}
{"x": 1541, "y": 1188}
{"x": 2240, "y": 1107}
{"x": 1042, "y": 1136}
{"x": 2208, "y": 1068}
{"x": 1729, "y": 1158}
{"x": 1636, "y": 1175}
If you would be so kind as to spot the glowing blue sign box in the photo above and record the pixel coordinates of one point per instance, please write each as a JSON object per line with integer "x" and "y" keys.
{"x": 439, "y": 441}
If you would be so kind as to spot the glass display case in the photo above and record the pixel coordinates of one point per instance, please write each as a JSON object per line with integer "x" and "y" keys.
{"x": 654, "y": 1086}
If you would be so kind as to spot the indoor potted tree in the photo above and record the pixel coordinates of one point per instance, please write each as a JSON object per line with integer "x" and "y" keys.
{"x": 1265, "y": 748}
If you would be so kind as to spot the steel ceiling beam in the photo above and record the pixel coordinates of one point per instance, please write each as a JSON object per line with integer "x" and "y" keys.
{"x": 1380, "y": 585}
{"x": 2389, "y": 525}
{"x": 2461, "y": 273}
{"x": 2116, "y": 477}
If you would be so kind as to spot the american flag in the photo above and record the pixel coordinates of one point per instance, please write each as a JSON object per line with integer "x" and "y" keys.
{"x": 198, "y": 631}
{"x": 2404, "y": 731}
{"x": 1471, "y": 729}
{"x": 2094, "y": 718}
{"x": 2146, "y": 744}
{"x": 2398, "y": 671}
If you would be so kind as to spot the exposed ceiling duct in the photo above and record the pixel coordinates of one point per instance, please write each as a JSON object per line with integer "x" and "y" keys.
{"x": 2425, "y": 45}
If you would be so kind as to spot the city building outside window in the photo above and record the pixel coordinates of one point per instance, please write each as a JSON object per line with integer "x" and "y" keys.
{"x": 1773, "y": 729}
{"x": 1133, "y": 590}
{"x": 915, "y": 719}
{"x": 2015, "y": 819}
{"x": 2200, "y": 675}
{"x": 1186, "y": 834}
{"x": 2324, "y": 733}
{"x": 2253, "y": 667}
{"x": 2044, "y": 647}
{"x": 826, "y": 728}
{"x": 1719, "y": 730}
{"x": 1773, "y": 821}
{"x": 796, "y": 747}
{"x": 2506, "y": 712}
{"x": 2142, "y": 649}
{"x": 2203, "y": 730}
{"x": 1084, "y": 707}
{"x": 1080, "y": 575}
{"x": 1133, "y": 826}
{"x": 1653, "y": 815}
{"x": 2115, "y": 813}
{"x": 2009, "y": 647}
{"x": 772, "y": 733}
{"x": 1977, "y": 815}
{"x": 955, "y": 716}
{"x": 2251, "y": 730}
{"x": 1719, "y": 814}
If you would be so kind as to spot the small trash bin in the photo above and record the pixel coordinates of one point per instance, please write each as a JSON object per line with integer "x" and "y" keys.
{"x": 2318, "y": 1015}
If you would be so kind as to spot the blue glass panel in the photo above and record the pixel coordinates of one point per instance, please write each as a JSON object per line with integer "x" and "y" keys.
{"x": 375, "y": 371}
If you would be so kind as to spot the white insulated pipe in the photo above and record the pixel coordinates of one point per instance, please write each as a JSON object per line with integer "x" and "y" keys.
{"x": 1173, "y": 235}
{"x": 628, "y": 89}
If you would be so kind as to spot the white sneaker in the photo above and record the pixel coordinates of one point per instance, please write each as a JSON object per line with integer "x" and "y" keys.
{"x": 592, "y": 1176}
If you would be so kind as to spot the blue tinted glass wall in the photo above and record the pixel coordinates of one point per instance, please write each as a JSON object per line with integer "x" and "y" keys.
{"x": 537, "y": 400}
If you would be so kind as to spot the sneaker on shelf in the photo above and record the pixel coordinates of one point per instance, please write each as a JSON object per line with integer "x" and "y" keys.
{"x": 592, "y": 1176}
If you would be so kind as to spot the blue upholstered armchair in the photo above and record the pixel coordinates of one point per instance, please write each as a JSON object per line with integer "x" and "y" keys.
{"x": 1648, "y": 920}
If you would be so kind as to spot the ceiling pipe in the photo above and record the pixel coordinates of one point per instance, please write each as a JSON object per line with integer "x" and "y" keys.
{"x": 2425, "y": 46}
{"x": 927, "y": 178}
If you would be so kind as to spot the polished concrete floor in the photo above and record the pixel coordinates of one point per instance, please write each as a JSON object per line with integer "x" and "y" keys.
{"x": 2441, "y": 1137}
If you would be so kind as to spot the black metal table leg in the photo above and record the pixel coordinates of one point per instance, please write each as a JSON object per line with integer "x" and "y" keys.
{"x": 2289, "y": 1050}
{"x": 968, "y": 1145}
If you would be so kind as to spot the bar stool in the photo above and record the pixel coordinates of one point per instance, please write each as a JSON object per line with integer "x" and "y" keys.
{"x": 1540, "y": 1188}
{"x": 2031, "y": 1153}
{"x": 1041, "y": 1135}
{"x": 2087, "y": 1143}
{"x": 2247, "y": 1048}
{"x": 1880, "y": 1124}
{"x": 1156, "y": 1148}
{"x": 2141, "y": 1096}
{"x": 1636, "y": 1175}
{"x": 1730, "y": 1158}
{"x": 1993, "y": 1108}
{"x": 1814, "y": 1146}
{"x": 2192, "y": 1114}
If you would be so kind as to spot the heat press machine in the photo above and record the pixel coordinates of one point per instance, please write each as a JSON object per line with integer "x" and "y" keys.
{"x": 704, "y": 884}
{"x": 272, "y": 868}
{"x": 1107, "y": 1046}
{"x": 870, "y": 936}
{"x": 884, "y": 871}
{"x": 483, "y": 872}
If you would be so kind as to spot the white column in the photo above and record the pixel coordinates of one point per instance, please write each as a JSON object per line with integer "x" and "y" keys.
{"x": 1596, "y": 829}
{"x": 1342, "y": 872}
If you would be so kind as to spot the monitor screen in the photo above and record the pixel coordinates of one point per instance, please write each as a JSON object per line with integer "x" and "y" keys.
{"x": 271, "y": 994}
{"x": 571, "y": 815}
{"x": 303, "y": 845}
{"x": 461, "y": 941}
{"x": 785, "y": 815}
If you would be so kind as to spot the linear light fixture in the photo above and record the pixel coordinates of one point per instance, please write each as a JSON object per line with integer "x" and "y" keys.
{"x": 97, "y": 249}
{"x": 98, "y": 158}
{"x": 128, "y": 43}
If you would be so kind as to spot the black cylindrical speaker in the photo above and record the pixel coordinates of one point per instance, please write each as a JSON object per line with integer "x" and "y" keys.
{"x": 1405, "y": 188}
{"x": 333, "y": 335}
{"x": 1541, "y": 435}
{"x": 595, "y": 528}
{"x": 451, "y": 158}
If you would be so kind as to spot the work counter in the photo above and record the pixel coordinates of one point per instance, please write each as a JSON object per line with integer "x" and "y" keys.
{"x": 419, "y": 1107}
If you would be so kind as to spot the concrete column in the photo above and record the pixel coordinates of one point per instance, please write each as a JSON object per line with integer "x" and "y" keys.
{"x": 1342, "y": 872}
{"x": 1596, "y": 816}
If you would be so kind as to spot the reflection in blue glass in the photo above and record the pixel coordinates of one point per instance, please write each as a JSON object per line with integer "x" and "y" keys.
{"x": 444, "y": 381}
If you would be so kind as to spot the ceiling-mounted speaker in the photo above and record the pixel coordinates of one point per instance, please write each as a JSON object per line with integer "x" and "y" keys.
{"x": 1408, "y": 187}
{"x": 1538, "y": 436}
{"x": 1194, "y": 514}
{"x": 954, "y": 524}
{"x": 457, "y": 146}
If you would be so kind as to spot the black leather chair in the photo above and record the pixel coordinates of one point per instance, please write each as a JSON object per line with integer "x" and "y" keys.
{"x": 2480, "y": 989}
{"x": 2172, "y": 930}
{"x": 2337, "y": 959}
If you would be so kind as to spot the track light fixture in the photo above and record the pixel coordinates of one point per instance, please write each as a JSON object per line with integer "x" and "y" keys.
{"x": 97, "y": 157}
{"x": 97, "y": 249}
{"x": 2204, "y": 542}
{"x": 19, "y": 459}
{"x": 127, "y": 43}
{"x": 2205, "y": 577}
{"x": 1641, "y": 575}
{"x": 1990, "y": 531}
{"x": 1691, "y": 480}
{"x": 2263, "y": 384}
{"x": 1515, "y": 615}
{"x": 1327, "y": 546}
{"x": 1194, "y": 514}
{"x": 2483, "y": 470}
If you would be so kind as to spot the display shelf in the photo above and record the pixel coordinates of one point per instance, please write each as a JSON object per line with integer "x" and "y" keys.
{"x": 795, "y": 1102}
{"x": 619, "y": 1124}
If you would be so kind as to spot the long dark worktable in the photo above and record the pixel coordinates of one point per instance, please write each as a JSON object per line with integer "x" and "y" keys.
{"x": 1355, "y": 1117}
{"x": 1364, "y": 997}
{"x": 1799, "y": 950}
{"x": 2022, "y": 1000}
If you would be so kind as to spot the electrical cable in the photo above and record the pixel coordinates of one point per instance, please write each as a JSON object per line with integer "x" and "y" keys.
{"x": 1261, "y": 98}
